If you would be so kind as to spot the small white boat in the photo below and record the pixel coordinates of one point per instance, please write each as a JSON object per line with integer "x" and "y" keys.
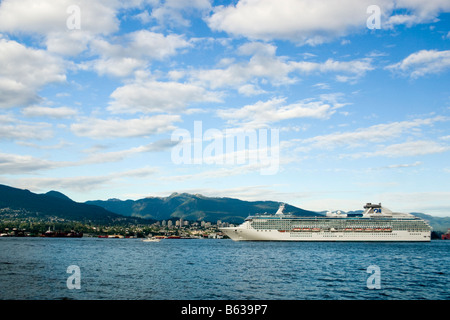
{"x": 151, "y": 240}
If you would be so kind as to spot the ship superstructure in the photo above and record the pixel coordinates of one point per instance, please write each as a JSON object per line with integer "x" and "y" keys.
{"x": 375, "y": 223}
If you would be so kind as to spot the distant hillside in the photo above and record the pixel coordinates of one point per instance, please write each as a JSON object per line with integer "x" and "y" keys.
{"x": 439, "y": 224}
{"x": 58, "y": 194}
{"x": 18, "y": 203}
{"x": 195, "y": 207}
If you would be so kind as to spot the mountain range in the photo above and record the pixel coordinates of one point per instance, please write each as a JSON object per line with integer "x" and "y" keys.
{"x": 53, "y": 204}
{"x": 195, "y": 207}
{"x": 18, "y": 203}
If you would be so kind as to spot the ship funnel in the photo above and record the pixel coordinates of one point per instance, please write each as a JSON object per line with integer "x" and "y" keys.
{"x": 280, "y": 209}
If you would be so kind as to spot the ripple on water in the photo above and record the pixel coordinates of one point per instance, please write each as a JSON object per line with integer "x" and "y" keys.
{"x": 221, "y": 269}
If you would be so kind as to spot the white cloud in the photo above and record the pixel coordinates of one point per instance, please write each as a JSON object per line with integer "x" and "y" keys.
{"x": 40, "y": 111}
{"x": 275, "y": 110}
{"x": 429, "y": 202}
{"x": 404, "y": 165}
{"x": 418, "y": 12}
{"x": 47, "y": 19}
{"x": 114, "y": 156}
{"x": 407, "y": 149}
{"x": 349, "y": 70}
{"x": 81, "y": 183}
{"x": 15, "y": 129}
{"x": 264, "y": 65}
{"x": 156, "y": 96}
{"x": 316, "y": 21}
{"x": 309, "y": 21}
{"x": 19, "y": 164}
{"x": 68, "y": 43}
{"x": 422, "y": 63}
{"x": 124, "y": 128}
{"x": 132, "y": 51}
{"x": 373, "y": 134}
{"x": 115, "y": 66}
{"x": 26, "y": 164}
{"x": 250, "y": 90}
{"x": 24, "y": 72}
{"x": 47, "y": 16}
{"x": 62, "y": 144}
{"x": 172, "y": 12}
{"x": 221, "y": 172}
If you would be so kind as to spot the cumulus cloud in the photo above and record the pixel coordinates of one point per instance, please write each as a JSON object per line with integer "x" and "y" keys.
{"x": 124, "y": 128}
{"x": 407, "y": 149}
{"x": 132, "y": 51}
{"x": 422, "y": 63}
{"x": 82, "y": 183}
{"x": 309, "y": 21}
{"x": 18, "y": 130}
{"x": 40, "y": 111}
{"x": 48, "y": 16}
{"x": 403, "y": 165}
{"x": 157, "y": 96}
{"x": 418, "y": 12}
{"x": 275, "y": 110}
{"x": 48, "y": 19}
{"x": 171, "y": 12}
{"x": 316, "y": 21}
{"x": 22, "y": 73}
{"x": 264, "y": 65}
{"x": 19, "y": 164}
{"x": 114, "y": 156}
{"x": 373, "y": 134}
{"x": 347, "y": 71}
{"x": 68, "y": 44}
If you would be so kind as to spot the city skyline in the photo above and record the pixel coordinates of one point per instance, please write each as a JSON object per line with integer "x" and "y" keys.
{"x": 344, "y": 102}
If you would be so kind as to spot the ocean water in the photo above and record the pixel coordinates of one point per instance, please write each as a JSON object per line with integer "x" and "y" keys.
{"x": 219, "y": 269}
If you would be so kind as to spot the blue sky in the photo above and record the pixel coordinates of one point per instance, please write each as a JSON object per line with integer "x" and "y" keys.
{"x": 94, "y": 96}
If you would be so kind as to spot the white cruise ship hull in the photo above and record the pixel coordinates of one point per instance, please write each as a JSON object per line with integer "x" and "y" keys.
{"x": 374, "y": 224}
{"x": 248, "y": 234}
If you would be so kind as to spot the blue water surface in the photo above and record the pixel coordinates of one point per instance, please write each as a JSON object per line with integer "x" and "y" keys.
{"x": 216, "y": 269}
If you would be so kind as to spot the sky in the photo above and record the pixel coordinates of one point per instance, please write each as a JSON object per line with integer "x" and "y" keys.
{"x": 325, "y": 105}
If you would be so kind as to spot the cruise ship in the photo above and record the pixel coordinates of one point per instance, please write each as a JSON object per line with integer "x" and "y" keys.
{"x": 375, "y": 223}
